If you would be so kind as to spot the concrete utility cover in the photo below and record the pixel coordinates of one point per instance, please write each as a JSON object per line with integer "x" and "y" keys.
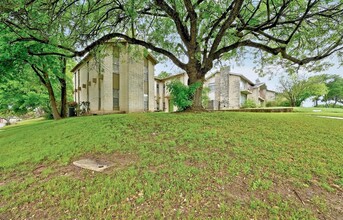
{"x": 92, "y": 165}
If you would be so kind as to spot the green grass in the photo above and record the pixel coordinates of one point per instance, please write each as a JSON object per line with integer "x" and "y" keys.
{"x": 208, "y": 165}
{"x": 336, "y": 112}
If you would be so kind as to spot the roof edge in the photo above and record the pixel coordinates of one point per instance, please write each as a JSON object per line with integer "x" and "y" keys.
{"x": 89, "y": 55}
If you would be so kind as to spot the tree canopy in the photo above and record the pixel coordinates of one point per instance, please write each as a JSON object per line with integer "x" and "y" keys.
{"x": 21, "y": 94}
{"x": 335, "y": 86}
{"x": 194, "y": 34}
{"x": 20, "y": 57}
{"x": 297, "y": 88}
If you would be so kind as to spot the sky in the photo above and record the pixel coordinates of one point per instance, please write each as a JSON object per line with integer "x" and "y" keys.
{"x": 247, "y": 69}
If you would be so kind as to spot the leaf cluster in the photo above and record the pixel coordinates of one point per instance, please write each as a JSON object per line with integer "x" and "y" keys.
{"x": 182, "y": 95}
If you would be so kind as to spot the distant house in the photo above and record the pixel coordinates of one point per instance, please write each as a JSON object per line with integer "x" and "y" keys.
{"x": 231, "y": 90}
{"x": 227, "y": 90}
{"x": 115, "y": 81}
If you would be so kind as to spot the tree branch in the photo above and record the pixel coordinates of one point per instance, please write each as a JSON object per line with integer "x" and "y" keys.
{"x": 234, "y": 13}
{"x": 174, "y": 15}
{"x": 193, "y": 20}
{"x": 135, "y": 41}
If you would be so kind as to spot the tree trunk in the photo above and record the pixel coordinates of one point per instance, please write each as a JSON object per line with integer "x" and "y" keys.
{"x": 63, "y": 98}
{"x": 52, "y": 100}
{"x": 334, "y": 104}
{"x": 44, "y": 78}
{"x": 195, "y": 77}
{"x": 63, "y": 89}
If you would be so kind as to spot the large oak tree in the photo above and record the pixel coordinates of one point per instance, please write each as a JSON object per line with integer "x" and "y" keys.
{"x": 193, "y": 34}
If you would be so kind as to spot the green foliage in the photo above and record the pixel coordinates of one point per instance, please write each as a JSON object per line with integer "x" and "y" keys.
{"x": 297, "y": 88}
{"x": 249, "y": 103}
{"x": 181, "y": 94}
{"x": 42, "y": 61}
{"x": 280, "y": 101}
{"x": 202, "y": 32}
{"x": 21, "y": 93}
{"x": 335, "y": 87}
{"x": 271, "y": 104}
{"x": 163, "y": 75}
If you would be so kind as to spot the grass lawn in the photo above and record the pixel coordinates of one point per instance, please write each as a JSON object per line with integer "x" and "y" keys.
{"x": 207, "y": 165}
{"x": 335, "y": 112}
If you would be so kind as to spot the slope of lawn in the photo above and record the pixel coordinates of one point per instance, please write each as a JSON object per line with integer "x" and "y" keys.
{"x": 206, "y": 165}
{"x": 334, "y": 112}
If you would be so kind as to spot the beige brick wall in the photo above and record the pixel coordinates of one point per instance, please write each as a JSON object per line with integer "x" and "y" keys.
{"x": 270, "y": 96}
{"x": 254, "y": 95}
{"x": 83, "y": 81}
{"x": 217, "y": 91}
{"x": 151, "y": 86}
{"x": 135, "y": 83}
{"x": 131, "y": 93}
{"x": 123, "y": 80}
{"x": 107, "y": 87}
{"x": 234, "y": 91}
{"x": 75, "y": 86}
{"x": 93, "y": 89}
{"x": 223, "y": 90}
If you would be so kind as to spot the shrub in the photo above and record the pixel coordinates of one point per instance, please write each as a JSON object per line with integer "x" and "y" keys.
{"x": 181, "y": 94}
{"x": 279, "y": 102}
{"x": 249, "y": 104}
{"x": 271, "y": 104}
{"x": 284, "y": 103}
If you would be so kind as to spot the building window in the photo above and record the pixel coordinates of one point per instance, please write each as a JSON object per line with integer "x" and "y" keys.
{"x": 115, "y": 60}
{"x": 146, "y": 102}
{"x": 157, "y": 105}
{"x": 157, "y": 89}
{"x": 115, "y": 82}
{"x": 115, "y": 99}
